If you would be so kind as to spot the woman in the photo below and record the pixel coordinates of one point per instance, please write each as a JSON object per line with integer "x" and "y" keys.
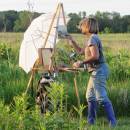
{"x": 96, "y": 66}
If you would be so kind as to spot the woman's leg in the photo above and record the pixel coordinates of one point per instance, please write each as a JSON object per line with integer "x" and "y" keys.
{"x": 102, "y": 98}
{"x": 92, "y": 105}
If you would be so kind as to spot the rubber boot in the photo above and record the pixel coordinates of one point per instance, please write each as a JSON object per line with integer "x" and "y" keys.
{"x": 110, "y": 113}
{"x": 92, "y": 105}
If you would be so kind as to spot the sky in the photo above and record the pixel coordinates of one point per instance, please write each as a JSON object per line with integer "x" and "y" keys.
{"x": 90, "y": 6}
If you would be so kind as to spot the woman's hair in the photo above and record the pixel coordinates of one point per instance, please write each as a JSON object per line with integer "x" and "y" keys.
{"x": 91, "y": 23}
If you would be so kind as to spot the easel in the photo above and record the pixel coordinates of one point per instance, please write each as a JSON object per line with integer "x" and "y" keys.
{"x": 57, "y": 13}
{"x": 34, "y": 69}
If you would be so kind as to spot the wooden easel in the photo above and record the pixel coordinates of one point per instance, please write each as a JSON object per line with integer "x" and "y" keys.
{"x": 57, "y": 13}
{"x": 35, "y": 68}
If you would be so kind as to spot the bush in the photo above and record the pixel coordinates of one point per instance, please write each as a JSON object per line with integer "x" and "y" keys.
{"x": 119, "y": 65}
{"x": 5, "y": 51}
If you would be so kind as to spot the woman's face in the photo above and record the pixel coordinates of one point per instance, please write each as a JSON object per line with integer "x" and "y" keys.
{"x": 84, "y": 29}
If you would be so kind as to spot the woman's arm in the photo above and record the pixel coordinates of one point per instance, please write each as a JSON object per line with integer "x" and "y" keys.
{"x": 75, "y": 45}
{"x": 93, "y": 54}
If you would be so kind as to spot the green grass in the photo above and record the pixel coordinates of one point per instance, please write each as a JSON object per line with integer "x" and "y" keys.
{"x": 13, "y": 83}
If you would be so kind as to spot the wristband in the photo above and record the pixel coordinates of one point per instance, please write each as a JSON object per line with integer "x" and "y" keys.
{"x": 81, "y": 63}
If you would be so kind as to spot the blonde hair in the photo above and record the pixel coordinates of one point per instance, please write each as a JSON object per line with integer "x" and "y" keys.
{"x": 91, "y": 23}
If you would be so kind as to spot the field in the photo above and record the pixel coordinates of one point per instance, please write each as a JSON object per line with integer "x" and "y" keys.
{"x": 19, "y": 112}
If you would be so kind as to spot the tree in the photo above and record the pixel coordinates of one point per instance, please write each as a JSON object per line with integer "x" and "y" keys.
{"x": 116, "y": 24}
{"x": 22, "y": 22}
{"x": 1, "y": 23}
{"x": 125, "y": 23}
{"x": 7, "y": 19}
{"x": 107, "y": 30}
{"x": 74, "y": 21}
{"x": 84, "y": 14}
{"x": 128, "y": 28}
{"x": 108, "y": 22}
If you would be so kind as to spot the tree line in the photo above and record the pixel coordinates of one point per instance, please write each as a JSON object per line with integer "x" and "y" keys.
{"x": 14, "y": 21}
{"x": 109, "y": 22}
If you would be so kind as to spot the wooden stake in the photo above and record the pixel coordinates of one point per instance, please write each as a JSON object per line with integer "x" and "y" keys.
{"x": 76, "y": 90}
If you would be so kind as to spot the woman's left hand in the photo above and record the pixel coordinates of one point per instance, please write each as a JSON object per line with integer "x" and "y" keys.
{"x": 77, "y": 64}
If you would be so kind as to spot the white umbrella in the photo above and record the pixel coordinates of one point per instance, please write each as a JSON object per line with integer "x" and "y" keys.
{"x": 35, "y": 37}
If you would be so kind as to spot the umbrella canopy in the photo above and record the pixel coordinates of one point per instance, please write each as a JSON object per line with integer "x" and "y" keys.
{"x": 35, "y": 37}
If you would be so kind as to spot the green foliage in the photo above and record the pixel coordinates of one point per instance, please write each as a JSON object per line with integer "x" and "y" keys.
{"x": 15, "y": 21}
{"x": 22, "y": 22}
{"x": 4, "y": 116}
{"x": 128, "y": 29}
{"x": 63, "y": 56}
{"x": 119, "y": 65}
{"x": 56, "y": 95}
{"x": 18, "y": 21}
{"x": 17, "y": 111}
{"x": 74, "y": 21}
{"x": 18, "y": 116}
{"x": 82, "y": 122}
{"x": 7, "y": 19}
{"x": 107, "y": 30}
{"x": 5, "y": 52}
{"x": 12, "y": 80}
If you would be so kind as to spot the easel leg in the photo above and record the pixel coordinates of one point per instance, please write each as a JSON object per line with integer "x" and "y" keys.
{"x": 76, "y": 91}
{"x": 30, "y": 81}
{"x": 32, "y": 76}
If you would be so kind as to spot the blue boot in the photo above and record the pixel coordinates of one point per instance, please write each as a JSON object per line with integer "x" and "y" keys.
{"x": 91, "y": 112}
{"x": 110, "y": 113}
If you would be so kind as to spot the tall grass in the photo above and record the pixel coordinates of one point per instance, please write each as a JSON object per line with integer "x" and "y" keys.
{"x": 13, "y": 82}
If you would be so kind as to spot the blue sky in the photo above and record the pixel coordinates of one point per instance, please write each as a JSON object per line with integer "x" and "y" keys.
{"x": 90, "y": 6}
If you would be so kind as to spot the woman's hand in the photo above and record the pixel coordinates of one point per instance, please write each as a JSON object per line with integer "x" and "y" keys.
{"x": 77, "y": 64}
